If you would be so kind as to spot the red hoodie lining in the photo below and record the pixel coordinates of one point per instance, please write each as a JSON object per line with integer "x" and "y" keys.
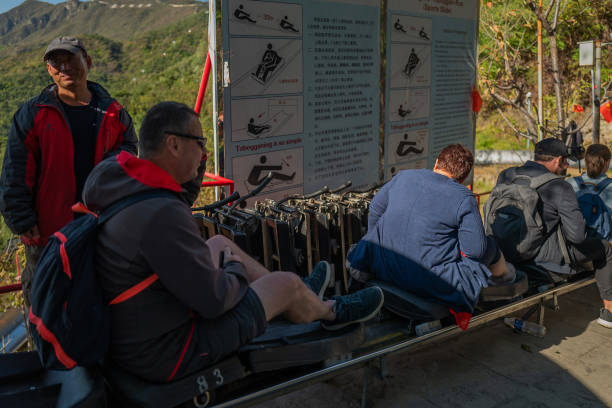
{"x": 146, "y": 172}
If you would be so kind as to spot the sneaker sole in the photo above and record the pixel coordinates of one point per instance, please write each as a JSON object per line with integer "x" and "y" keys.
{"x": 363, "y": 319}
{"x": 604, "y": 323}
{"x": 328, "y": 277}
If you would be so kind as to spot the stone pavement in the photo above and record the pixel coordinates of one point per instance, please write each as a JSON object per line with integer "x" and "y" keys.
{"x": 490, "y": 367}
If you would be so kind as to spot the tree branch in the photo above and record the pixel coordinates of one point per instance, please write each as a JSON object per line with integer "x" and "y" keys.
{"x": 511, "y": 125}
{"x": 556, "y": 16}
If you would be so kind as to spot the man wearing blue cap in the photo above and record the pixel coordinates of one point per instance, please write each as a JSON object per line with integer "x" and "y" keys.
{"x": 56, "y": 139}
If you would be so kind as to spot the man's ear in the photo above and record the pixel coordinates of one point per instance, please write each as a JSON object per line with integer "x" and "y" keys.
{"x": 171, "y": 143}
{"x": 436, "y": 165}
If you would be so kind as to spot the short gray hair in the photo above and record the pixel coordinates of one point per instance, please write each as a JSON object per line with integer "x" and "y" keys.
{"x": 161, "y": 118}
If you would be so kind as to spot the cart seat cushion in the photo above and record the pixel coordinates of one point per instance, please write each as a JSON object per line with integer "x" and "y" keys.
{"x": 409, "y": 305}
{"x": 141, "y": 393}
{"x": 286, "y": 344}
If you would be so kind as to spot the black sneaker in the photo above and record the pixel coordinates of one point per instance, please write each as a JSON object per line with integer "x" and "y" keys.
{"x": 319, "y": 279}
{"x": 357, "y": 307}
{"x": 605, "y": 318}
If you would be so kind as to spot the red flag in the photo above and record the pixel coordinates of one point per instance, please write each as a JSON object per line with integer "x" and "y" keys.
{"x": 606, "y": 111}
{"x": 476, "y": 101}
{"x": 577, "y": 109}
{"x": 462, "y": 319}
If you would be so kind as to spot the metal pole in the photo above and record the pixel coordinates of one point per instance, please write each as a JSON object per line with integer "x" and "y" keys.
{"x": 596, "y": 91}
{"x": 540, "y": 96}
{"x": 212, "y": 52}
{"x": 529, "y": 110}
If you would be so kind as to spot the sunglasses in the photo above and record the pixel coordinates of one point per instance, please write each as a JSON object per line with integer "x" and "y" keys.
{"x": 201, "y": 141}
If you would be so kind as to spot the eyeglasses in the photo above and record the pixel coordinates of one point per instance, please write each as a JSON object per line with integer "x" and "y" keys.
{"x": 201, "y": 141}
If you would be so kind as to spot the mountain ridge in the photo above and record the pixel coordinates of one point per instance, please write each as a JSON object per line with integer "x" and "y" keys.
{"x": 35, "y": 22}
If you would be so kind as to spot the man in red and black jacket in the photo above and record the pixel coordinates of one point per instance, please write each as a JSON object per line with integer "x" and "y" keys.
{"x": 56, "y": 139}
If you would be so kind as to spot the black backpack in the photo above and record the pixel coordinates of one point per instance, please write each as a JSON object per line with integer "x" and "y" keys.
{"x": 512, "y": 216}
{"x": 69, "y": 319}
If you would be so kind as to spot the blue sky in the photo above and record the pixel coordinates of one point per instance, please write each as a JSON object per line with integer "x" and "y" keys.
{"x": 6, "y": 5}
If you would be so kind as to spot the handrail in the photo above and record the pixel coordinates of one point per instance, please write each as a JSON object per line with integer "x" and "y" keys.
{"x": 218, "y": 181}
{"x": 15, "y": 287}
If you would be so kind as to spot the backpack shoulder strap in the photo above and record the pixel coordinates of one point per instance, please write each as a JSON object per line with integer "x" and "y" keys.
{"x": 579, "y": 181}
{"x": 603, "y": 184}
{"x": 125, "y": 202}
{"x": 539, "y": 181}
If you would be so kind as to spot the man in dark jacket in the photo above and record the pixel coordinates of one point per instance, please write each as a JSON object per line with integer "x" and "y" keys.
{"x": 425, "y": 235}
{"x": 55, "y": 140}
{"x": 560, "y": 210}
{"x": 174, "y": 308}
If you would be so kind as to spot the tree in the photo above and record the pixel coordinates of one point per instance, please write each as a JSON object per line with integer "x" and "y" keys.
{"x": 508, "y": 51}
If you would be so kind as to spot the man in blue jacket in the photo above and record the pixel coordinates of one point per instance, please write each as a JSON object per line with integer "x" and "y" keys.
{"x": 425, "y": 235}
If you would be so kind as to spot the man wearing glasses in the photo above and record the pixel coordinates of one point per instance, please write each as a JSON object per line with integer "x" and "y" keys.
{"x": 187, "y": 306}
{"x": 56, "y": 139}
{"x": 560, "y": 209}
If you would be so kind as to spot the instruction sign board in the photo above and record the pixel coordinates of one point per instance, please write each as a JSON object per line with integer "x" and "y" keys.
{"x": 431, "y": 71}
{"x": 301, "y": 94}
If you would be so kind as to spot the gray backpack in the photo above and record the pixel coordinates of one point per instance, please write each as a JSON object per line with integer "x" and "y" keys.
{"x": 512, "y": 216}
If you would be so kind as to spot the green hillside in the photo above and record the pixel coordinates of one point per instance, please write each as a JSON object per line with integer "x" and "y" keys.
{"x": 164, "y": 64}
{"x": 33, "y": 23}
{"x": 161, "y": 64}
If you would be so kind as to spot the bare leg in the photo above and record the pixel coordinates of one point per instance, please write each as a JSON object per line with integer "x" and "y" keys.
{"x": 285, "y": 293}
{"x": 254, "y": 269}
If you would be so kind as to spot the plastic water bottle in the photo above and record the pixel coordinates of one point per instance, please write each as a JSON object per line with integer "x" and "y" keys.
{"x": 427, "y": 327}
{"x": 525, "y": 326}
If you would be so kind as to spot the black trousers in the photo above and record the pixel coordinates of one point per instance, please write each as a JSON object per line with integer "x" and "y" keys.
{"x": 599, "y": 251}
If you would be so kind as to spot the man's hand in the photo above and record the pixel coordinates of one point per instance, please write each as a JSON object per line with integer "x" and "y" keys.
{"x": 32, "y": 233}
{"x": 502, "y": 272}
{"x": 228, "y": 257}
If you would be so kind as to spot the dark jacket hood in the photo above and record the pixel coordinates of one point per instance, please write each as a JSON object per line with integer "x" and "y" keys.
{"x": 124, "y": 175}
